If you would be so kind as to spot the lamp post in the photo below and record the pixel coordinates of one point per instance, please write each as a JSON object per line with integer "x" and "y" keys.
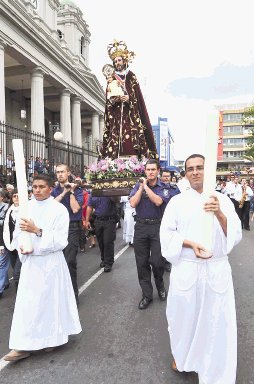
{"x": 54, "y": 134}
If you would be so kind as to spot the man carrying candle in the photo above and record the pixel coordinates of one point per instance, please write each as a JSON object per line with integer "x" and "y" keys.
{"x": 201, "y": 305}
{"x": 45, "y": 311}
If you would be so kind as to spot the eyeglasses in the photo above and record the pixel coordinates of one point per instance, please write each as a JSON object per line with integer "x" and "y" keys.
{"x": 197, "y": 169}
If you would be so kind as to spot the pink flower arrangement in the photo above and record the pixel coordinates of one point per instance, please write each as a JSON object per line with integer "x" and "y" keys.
{"x": 111, "y": 169}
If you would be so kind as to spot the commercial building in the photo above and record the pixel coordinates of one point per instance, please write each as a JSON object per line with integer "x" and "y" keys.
{"x": 165, "y": 144}
{"x": 232, "y": 141}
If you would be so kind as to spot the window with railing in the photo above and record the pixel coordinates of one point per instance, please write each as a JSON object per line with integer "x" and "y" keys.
{"x": 238, "y": 142}
{"x": 234, "y": 117}
{"x": 233, "y": 154}
{"x": 237, "y": 129}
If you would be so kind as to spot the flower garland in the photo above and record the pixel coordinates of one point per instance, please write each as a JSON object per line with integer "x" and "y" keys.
{"x": 117, "y": 168}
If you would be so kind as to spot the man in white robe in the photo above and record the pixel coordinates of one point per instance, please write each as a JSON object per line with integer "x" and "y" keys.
{"x": 45, "y": 312}
{"x": 201, "y": 305}
{"x": 128, "y": 222}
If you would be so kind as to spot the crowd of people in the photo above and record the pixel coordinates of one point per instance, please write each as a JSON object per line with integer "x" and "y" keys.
{"x": 162, "y": 221}
{"x": 159, "y": 222}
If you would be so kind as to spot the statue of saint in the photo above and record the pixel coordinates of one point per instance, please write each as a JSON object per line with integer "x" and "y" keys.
{"x": 127, "y": 129}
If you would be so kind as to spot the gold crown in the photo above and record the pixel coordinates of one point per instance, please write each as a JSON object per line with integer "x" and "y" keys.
{"x": 119, "y": 48}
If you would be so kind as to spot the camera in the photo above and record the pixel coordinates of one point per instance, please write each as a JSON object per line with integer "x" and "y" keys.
{"x": 67, "y": 185}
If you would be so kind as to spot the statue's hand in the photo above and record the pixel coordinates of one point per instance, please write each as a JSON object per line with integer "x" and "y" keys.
{"x": 124, "y": 98}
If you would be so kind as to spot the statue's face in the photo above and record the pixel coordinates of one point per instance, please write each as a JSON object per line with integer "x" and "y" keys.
{"x": 119, "y": 64}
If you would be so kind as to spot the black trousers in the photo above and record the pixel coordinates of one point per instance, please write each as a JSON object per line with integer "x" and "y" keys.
{"x": 82, "y": 240}
{"x": 71, "y": 251}
{"x": 16, "y": 265}
{"x": 105, "y": 231}
{"x": 245, "y": 214}
{"x": 148, "y": 256}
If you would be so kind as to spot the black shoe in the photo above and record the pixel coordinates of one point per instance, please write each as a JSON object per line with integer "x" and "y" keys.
{"x": 107, "y": 268}
{"x": 144, "y": 303}
{"x": 1, "y": 294}
{"x": 6, "y": 286}
{"x": 167, "y": 267}
{"x": 102, "y": 264}
{"x": 131, "y": 244}
{"x": 247, "y": 228}
{"x": 162, "y": 294}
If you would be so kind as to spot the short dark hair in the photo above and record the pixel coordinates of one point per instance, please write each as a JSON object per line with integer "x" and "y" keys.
{"x": 153, "y": 161}
{"x": 182, "y": 173}
{"x": 44, "y": 177}
{"x": 193, "y": 157}
{"x": 64, "y": 165}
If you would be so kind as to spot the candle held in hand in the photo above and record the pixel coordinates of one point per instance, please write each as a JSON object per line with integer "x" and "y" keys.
{"x": 25, "y": 237}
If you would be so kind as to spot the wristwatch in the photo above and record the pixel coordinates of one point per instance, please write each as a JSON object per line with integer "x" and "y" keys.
{"x": 39, "y": 233}
{"x": 72, "y": 193}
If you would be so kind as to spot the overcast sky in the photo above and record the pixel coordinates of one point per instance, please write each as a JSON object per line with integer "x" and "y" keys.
{"x": 190, "y": 56}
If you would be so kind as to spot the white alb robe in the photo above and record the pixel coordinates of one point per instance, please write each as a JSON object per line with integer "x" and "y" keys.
{"x": 201, "y": 305}
{"x": 45, "y": 312}
{"x": 128, "y": 222}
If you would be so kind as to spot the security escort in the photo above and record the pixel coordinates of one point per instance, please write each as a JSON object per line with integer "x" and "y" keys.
{"x": 150, "y": 197}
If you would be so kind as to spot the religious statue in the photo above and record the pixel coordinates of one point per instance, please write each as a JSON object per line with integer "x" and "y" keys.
{"x": 127, "y": 129}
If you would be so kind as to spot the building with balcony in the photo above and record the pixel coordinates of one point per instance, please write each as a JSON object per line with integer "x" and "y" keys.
{"x": 233, "y": 135}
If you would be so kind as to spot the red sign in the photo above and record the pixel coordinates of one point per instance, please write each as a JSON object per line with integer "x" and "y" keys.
{"x": 220, "y": 137}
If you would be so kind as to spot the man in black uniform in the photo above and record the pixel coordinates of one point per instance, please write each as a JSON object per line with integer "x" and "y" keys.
{"x": 150, "y": 197}
{"x": 105, "y": 213}
{"x": 71, "y": 196}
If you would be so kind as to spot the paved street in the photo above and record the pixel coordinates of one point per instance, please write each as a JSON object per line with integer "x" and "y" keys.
{"x": 119, "y": 343}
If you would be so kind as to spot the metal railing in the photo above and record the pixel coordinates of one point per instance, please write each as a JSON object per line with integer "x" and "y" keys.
{"x": 46, "y": 148}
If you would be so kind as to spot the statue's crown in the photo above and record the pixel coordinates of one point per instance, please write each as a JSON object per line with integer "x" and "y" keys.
{"x": 119, "y": 48}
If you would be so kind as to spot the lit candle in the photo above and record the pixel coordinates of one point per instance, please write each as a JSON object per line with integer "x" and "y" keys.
{"x": 25, "y": 238}
{"x": 211, "y": 149}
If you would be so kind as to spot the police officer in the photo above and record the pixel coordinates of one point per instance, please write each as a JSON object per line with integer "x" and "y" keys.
{"x": 105, "y": 214}
{"x": 149, "y": 197}
{"x": 71, "y": 196}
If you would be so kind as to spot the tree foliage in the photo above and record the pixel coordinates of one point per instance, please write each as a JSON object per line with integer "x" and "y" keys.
{"x": 248, "y": 121}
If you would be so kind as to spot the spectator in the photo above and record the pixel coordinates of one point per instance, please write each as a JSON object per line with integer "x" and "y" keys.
{"x": 9, "y": 226}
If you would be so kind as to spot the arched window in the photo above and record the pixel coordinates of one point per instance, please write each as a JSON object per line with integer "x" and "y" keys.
{"x": 82, "y": 46}
{"x": 60, "y": 33}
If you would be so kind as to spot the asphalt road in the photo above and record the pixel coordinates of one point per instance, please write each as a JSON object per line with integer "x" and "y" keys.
{"x": 121, "y": 344}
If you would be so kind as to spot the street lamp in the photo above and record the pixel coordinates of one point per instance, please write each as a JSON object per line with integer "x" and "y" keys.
{"x": 54, "y": 134}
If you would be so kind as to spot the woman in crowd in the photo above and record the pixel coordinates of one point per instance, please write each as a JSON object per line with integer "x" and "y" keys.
{"x": 9, "y": 226}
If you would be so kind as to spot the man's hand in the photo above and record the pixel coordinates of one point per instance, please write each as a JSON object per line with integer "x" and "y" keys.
{"x": 86, "y": 224}
{"x": 142, "y": 182}
{"x": 73, "y": 187}
{"x": 212, "y": 205}
{"x": 24, "y": 252}
{"x": 28, "y": 226}
{"x": 199, "y": 250}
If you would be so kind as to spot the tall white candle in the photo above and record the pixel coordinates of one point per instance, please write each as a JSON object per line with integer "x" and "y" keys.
{"x": 25, "y": 238}
{"x": 211, "y": 149}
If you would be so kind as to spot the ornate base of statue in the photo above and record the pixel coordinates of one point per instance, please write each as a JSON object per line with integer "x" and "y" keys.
{"x": 115, "y": 177}
{"x": 113, "y": 187}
